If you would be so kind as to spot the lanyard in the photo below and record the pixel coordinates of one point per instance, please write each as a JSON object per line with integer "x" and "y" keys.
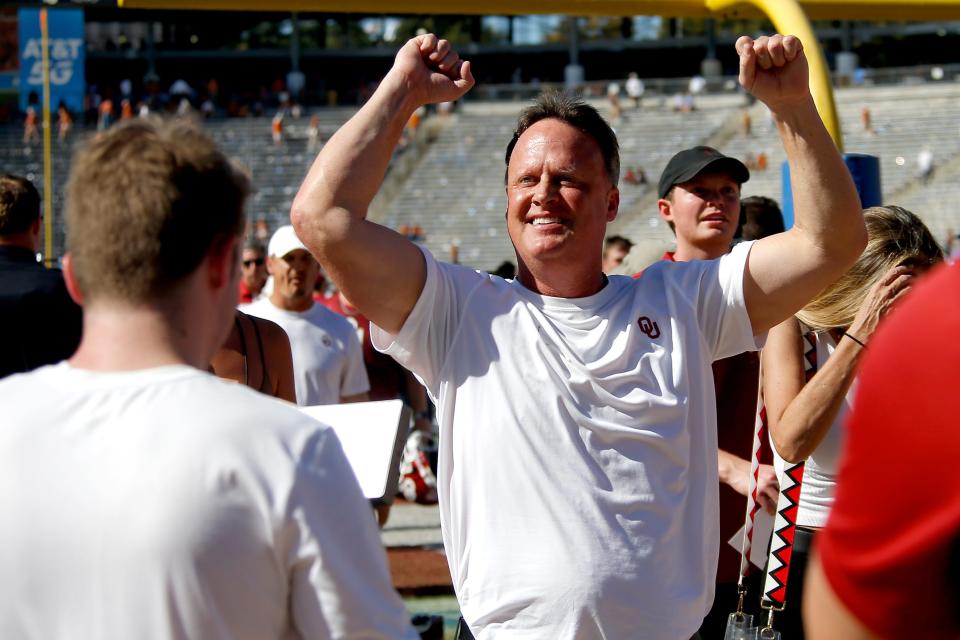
{"x": 788, "y": 504}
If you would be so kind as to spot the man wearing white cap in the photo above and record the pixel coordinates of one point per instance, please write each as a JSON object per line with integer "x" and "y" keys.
{"x": 327, "y": 358}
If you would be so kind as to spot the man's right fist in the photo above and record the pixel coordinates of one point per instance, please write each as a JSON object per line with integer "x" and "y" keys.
{"x": 430, "y": 68}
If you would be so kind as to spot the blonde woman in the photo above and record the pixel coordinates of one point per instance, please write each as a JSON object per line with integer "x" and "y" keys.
{"x": 830, "y": 335}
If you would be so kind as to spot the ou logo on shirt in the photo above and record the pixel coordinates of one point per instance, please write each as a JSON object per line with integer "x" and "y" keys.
{"x": 649, "y": 327}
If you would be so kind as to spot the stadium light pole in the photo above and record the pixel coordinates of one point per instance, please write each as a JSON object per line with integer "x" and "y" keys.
{"x": 48, "y": 258}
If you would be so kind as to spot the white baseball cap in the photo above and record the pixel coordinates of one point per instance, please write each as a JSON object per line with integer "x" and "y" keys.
{"x": 284, "y": 241}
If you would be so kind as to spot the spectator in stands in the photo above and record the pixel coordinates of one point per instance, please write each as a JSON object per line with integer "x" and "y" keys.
{"x": 925, "y": 163}
{"x": 276, "y": 128}
{"x": 126, "y": 90}
{"x": 806, "y": 420}
{"x": 762, "y": 161}
{"x": 184, "y": 107}
{"x": 593, "y": 391}
{"x": 613, "y": 97}
{"x": 700, "y": 200}
{"x": 615, "y": 251}
{"x": 64, "y": 121}
{"x": 253, "y": 273}
{"x": 327, "y": 357}
{"x": 39, "y": 323}
{"x": 257, "y": 354}
{"x": 683, "y": 102}
{"x": 105, "y": 114}
{"x": 313, "y": 133}
{"x": 886, "y": 564}
{"x": 746, "y": 123}
{"x": 635, "y": 176}
{"x": 31, "y": 127}
{"x": 140, "y": 491}
{"x": 866, "y": 120}
{"x": 635, "y": 89}
{"x": 126, "y": 109}
{"x": 759, "y": 217}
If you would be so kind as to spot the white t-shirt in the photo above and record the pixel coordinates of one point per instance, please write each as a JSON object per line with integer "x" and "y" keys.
{"x": 327, "y": 357}
{"x": 819, "y": 488}
{"x": 578, "y": 445}
{"x": 166, "y": 503}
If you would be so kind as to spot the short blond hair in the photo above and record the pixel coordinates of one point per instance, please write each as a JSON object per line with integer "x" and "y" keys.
{"x": 145, "y": 202}
{"x": 895, "y": 236}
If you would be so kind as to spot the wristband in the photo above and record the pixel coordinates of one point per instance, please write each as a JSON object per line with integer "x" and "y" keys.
{"x": 848, "y": 335}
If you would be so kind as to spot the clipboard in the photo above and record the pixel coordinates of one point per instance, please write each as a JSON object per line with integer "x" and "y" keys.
{"x": 372, "y": 435}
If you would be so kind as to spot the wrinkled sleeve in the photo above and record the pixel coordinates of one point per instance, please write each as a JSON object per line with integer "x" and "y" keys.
{"x": 425, "y": 338}
{"x": 720, "y": 306}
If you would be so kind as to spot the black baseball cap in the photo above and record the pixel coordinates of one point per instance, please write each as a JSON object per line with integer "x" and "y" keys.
{"x": 688, "y": 163}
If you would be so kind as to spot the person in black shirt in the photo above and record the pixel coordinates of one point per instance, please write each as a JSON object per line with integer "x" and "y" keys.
{"x": 39, "y": 322}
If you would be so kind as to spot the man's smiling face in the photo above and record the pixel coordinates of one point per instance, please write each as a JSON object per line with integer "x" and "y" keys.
{"x": 559, "y": 195}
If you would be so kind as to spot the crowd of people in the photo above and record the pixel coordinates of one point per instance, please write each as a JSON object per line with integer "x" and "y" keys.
{"x": 595, "y": 428}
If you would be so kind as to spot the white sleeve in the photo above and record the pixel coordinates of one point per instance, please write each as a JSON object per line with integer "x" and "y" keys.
{"x": 339, "y": 583}
{"x": 721, "y": 308}
{"x": 354, "y": 378}
{"x": 423, "y": 341}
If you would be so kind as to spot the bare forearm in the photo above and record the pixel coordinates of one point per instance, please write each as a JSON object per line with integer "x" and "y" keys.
{"x": 809, "y": 416}
{"x": 731, "y": 467}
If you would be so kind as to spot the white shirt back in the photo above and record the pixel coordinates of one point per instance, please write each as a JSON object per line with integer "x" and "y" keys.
{"x": 327, "y": 357}
{"x": 578, "y": 469}
{"x": 166, "y": 503}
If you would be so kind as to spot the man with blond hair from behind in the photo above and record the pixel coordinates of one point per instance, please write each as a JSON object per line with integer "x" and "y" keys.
{"x": 142, "y": 497}
{"x": 578, "y": 446}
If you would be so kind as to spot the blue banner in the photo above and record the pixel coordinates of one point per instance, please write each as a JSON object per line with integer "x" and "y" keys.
{"x": 67, "y": 56}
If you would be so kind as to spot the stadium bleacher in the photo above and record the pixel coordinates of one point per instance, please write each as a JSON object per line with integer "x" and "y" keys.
{"x": 453, "y": 189}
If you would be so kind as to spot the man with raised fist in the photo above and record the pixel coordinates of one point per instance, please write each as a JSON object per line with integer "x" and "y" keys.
{"x": 578, "y": 447}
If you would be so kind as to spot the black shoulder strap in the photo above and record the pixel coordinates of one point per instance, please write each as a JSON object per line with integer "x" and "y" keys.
{"x": 265, "y": 386}
{"x": 243, "y": 346}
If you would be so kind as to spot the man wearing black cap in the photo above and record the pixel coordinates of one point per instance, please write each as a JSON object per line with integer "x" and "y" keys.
{"x": 700, "y": 200}
{"x": 578, "y": 452}
{"x": 699, "y": 193}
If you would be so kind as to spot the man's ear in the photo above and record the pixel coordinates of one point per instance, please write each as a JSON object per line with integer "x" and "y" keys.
{"x": 613, "y": 204}
{"x": 70, "y": 279}
{"x": 223, "y": 261}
